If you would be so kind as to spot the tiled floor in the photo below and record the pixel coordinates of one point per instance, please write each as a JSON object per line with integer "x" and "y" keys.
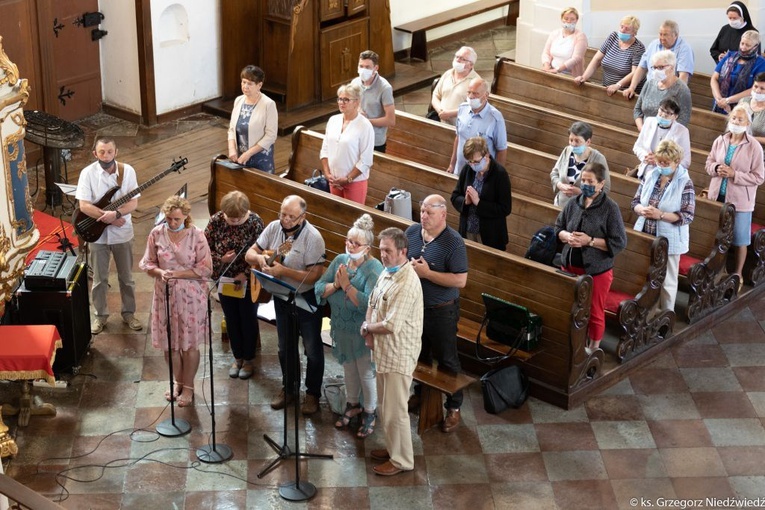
{"x": 689, "y": 426}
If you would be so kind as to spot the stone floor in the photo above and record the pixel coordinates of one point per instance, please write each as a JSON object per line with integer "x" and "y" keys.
{"x": 689, "y": 426}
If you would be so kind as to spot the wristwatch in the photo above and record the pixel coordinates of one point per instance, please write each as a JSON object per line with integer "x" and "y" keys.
{"x": 350, "y": 178}
{"x": 365, "y": 329}
{"x": 592, "y": 242}
{"x": 662, "y": 216}
{"x": 119, "y": 214}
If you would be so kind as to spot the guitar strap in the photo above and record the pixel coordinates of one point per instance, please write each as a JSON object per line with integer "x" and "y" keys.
{"x": 120, "y": 174}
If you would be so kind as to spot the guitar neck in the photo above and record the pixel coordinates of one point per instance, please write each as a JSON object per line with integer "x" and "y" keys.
{"x": 130, "y": 195}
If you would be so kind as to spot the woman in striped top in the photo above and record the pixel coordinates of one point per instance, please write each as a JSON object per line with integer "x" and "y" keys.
{"x": 619, "y": 56}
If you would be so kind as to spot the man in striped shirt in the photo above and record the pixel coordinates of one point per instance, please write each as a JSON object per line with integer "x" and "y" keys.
{"x": 438, "y": 255}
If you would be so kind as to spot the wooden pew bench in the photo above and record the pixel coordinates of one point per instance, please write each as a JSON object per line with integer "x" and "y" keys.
{"x": 588, "y": 100}
{"x": 561, "y": 372}
{"x": 710, "y": 232}
{"x": 435, "y": 383}
{"x": 638, "y": 273}
{"x": 418, "y": 28}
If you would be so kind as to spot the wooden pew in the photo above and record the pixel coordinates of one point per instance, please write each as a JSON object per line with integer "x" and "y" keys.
{"x": 419, "y": 27}
{"x": 434, "y": 383}
{"x": 701, "y": 92}
{"x": 560, "y": 373}
{"x": 588, "y": 100}
{"x": 711, "y": 231}
{"x": 639, "y": 292}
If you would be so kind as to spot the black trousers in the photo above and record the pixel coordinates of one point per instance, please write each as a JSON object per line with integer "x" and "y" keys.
{"x": 439, "y": 342}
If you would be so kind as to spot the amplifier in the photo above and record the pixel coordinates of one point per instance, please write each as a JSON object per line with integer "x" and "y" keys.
{"x": 68, "y": 310}
{"x": 50, "y": 270}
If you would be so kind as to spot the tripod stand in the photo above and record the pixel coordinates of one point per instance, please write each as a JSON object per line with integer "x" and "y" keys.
{"x": 297, "y": 490}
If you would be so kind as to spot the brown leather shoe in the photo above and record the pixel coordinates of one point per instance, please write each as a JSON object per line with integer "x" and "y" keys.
{"x": 280, "y": 400}
{"x": 310, "y": 405}
{"x": 387, "y": 469}
{"x": 451, "y": 421}
{"x": 413, "y": 404}
{"x": 381, "y": 454}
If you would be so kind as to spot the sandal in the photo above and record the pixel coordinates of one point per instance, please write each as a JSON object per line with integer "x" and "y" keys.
{"x": 367, "y": 425}
{"x": 170, "y": 397}
{"x": 351, "y": 411}
{"x": 186, "y": 402}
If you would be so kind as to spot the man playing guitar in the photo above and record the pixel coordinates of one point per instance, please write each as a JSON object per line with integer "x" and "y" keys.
{"x": 302, "y": 264}
{"x": 96, "y": 180}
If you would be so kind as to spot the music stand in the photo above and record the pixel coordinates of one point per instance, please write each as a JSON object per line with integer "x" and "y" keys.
{"x": 297, "y": 490}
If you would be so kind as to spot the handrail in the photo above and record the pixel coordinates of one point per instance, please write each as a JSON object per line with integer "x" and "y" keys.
{"x": 25, "y": 496}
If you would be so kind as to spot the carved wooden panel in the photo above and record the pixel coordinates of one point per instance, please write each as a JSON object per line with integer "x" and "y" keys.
{"x": 331, "y": 9}
{"x": 340, "y": 49}
{"x": 356, "y": 6}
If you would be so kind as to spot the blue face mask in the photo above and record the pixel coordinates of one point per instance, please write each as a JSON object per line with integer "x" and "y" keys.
{"x": 624, "y": 37}
{"x": 665, "y": 170}
{"x": 180, "y": 227}
{"x": 391, "y": 270}
{"x": 477, "y": 166}
{"x": 578, "y": 149}
{"x": 662, "y": 122}
{"x": 588, "y": 190}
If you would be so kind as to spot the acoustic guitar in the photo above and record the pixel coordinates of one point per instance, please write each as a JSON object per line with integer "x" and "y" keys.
{"x": 257, "y": 292}
{"x": 90, "y": 229}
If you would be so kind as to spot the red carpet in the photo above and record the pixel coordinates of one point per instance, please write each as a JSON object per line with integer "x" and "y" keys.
{"x": 50, "y": 233}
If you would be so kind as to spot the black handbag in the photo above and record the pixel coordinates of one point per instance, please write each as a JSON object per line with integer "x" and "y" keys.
{"x": 504, "y": 387}
{"x": 318, "y": 181}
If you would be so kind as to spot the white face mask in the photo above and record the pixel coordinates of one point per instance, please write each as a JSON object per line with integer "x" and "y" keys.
{"x": 458, "y": 66}
{"x": 736, "y": 129}
{"x": 658, "y": 75}
{"x": 475, "y": 103}
{"x": 758, "y": 97}
{"x": 737, "y": 24}
{"x": 569, "y": 26}
{"x": 365, "y": 74}
{"x": 355, "y": 256}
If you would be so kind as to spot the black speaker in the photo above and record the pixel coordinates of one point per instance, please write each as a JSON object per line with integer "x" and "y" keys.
{"x": 68, "y": 310}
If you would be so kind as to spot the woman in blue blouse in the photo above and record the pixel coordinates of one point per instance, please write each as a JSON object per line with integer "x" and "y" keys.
{"x": 346, "y": 285}
{"x": 734, "y": 75}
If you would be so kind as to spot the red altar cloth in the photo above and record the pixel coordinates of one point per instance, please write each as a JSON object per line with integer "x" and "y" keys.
{"x": 28, "y": 352}
{"x": 49, "y": 226}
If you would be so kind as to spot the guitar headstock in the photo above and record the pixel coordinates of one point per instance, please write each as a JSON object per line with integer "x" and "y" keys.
{"x": 179, "y": 165}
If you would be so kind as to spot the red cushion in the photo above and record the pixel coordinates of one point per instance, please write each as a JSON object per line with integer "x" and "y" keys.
{"x": 756, "y": 227}
{"x": 686, "y": 261}
{"x": 614, "y": 298}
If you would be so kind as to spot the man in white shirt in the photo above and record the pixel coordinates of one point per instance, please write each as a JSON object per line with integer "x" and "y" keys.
{"x": 451, "y": 90}
{"x": 95, "y": 181}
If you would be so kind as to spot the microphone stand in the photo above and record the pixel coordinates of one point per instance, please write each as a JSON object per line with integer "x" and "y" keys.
{"x": 171, "y": 427}
{"x": 215, "y": 453}
{"x": 64, "y": 243}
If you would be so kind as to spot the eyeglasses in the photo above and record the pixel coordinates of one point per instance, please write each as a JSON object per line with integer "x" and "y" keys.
{"x": 477, "y": 161}
{"x": 427, "y": 207}
{"x": 664, "y": 113}
{"x": 354, "y": 244}
{"x": 345, "y": 100}
{"x": 661, "y": 68}
{"x": 462, "y": 60}
{"x": 289, "y": 217}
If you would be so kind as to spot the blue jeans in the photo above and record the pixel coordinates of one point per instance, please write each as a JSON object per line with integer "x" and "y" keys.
{"x": 309, "y": 327}
{"x": 242, "y": 324}
{"x": 439, "y": 341}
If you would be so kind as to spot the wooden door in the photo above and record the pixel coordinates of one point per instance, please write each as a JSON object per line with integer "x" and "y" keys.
{"x": 71, "y": 65}
{"x": 340, "y": 48}
{"x": 18, "y": 28}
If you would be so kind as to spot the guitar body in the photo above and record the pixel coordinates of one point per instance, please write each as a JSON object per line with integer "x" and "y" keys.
{"x": 257, "y": 292}
{"x": 88, "y": 228}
